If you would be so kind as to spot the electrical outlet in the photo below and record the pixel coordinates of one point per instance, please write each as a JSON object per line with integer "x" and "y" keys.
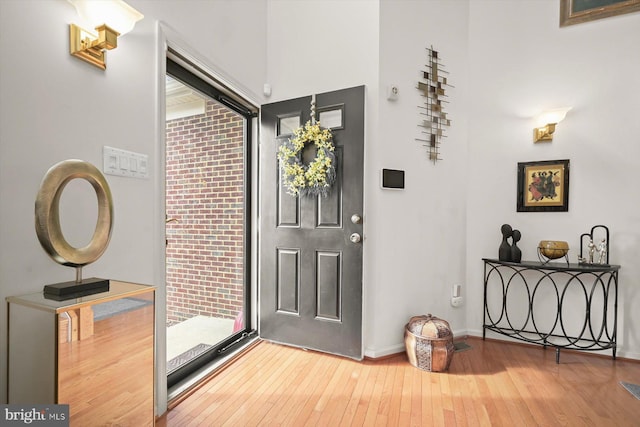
{"x": 392, "y": 92}
{"x": 456, "y": 290}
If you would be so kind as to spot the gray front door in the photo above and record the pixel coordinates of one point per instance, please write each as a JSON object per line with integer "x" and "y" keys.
{"x": 310, "y": 287}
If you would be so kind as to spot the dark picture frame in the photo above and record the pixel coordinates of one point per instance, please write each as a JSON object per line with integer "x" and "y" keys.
{"x": 579, "y": 11}
{"x": 543, "y": 186}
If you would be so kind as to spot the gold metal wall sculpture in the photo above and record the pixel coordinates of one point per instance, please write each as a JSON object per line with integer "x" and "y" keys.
{"x": 433, "y": 117}
{"x": 48, "y": 216}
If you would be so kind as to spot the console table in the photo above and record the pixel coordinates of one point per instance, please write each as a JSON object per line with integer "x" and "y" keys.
{"x": 553, "y": 304}
{"x": 94, "y": 353}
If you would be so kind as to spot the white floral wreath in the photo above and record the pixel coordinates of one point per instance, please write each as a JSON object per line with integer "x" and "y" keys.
{"x": 317, "y": 177}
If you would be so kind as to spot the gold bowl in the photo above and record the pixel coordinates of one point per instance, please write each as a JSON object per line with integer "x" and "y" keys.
{"x": 553, "y": 249}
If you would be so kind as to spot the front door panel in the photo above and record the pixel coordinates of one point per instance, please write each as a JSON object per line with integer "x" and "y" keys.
{"x": 311, "y": 272}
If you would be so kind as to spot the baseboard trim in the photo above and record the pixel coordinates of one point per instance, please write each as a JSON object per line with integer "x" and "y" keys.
{"x": 372, "y": 353}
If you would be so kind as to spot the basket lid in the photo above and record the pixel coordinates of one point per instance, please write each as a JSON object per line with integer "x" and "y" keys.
{"x": 429, "y": 326}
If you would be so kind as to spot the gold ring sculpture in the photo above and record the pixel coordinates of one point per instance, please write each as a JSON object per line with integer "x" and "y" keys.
{"x": 48, "y": 216}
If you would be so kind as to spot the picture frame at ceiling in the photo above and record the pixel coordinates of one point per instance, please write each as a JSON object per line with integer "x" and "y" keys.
{"x": 579, "y": 11}
{"x": 543, "y": 186}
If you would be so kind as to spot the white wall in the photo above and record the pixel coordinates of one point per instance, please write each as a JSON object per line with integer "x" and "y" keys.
{"x": 509, "y": 62}
{"x": 227, "y": 35}
{"x": 521, "y": 63}
{"x": 317, "y": 46}
{"x": 416, "y": 237}
{"x": 54, "y": 107}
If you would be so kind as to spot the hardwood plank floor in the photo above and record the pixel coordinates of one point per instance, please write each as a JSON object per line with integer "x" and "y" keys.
{"x": 492, "y": 384}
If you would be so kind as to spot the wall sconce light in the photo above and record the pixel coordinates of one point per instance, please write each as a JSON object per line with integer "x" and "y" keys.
{"x": 547, "y": 122}
{"x": 110, "y": 18}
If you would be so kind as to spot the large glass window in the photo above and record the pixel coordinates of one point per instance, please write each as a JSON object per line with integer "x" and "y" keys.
{"x": 207, "y": 221}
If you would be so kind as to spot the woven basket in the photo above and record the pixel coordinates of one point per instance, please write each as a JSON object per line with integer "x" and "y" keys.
{"x": 429, "y": 343}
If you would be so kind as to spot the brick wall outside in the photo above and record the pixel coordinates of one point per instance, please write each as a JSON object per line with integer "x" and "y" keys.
{"x": 205, "y": 192}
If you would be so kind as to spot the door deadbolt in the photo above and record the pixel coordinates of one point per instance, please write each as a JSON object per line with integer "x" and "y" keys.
{"x": 355, "y": 238}
{"x": 356, "y": 219}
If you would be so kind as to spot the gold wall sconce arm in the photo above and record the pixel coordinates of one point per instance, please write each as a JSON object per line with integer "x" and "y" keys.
{"x": 544, "y": 133}
{"x": 110, "y": 18}
{"x": 548, "y": 121}
{"x": 90, "y": 48}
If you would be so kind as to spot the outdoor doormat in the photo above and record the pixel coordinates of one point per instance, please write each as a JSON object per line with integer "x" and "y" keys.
{"x": 111, "y": 308}
{"x": 461, "y": 346}
{"x": 632, "y": 388}
{"x": 187, "y": 356}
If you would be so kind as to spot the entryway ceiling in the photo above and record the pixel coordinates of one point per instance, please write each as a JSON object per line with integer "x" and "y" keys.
{"x": 182, "y": 101}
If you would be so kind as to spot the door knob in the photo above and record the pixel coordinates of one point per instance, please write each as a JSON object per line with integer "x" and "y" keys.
{"x": 355, "y": 238}
{"x": 356, "y": 219}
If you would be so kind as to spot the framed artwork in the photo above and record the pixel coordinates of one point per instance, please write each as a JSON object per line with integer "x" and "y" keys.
{"x": 543, "y": 186}
{"x": 578, "y": 11}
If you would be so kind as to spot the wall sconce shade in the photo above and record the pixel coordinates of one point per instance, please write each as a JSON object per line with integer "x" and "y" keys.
{"x": 547, "y": 122}
{"x": 110, "y": 18}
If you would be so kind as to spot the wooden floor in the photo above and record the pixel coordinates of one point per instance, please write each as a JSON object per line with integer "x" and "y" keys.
{"x": 491, "y": 384}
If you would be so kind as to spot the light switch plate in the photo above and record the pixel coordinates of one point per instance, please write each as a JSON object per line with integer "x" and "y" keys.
{"x": 124, "y": 163}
